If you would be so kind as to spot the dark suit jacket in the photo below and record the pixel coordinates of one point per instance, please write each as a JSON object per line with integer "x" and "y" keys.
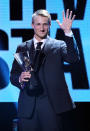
{"x": 51, "y": 75}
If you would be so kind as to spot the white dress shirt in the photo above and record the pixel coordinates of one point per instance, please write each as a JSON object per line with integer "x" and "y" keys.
{"x": 36, "y": 41}
{"x": 44, "y": 40}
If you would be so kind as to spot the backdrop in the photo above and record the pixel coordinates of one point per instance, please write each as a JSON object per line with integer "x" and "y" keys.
{"x": 15, "y": 27}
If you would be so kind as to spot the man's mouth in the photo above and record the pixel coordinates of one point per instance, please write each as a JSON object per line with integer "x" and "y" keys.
{"x": 42, "y": 31}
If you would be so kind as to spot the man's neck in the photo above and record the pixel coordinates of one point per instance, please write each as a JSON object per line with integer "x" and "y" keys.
{"x": 39, "y": 39}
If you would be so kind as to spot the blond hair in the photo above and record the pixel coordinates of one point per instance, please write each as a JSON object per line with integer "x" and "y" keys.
{"x": 43, "y": 13}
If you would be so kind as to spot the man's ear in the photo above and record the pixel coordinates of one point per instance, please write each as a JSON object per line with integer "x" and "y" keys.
{"x": 50, "y": 24}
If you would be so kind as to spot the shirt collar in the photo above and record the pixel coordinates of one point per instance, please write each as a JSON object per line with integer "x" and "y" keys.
{"x": 36, "y": 41}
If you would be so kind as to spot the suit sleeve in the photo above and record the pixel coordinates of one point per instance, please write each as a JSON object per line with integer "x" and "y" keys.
{"x": 16, "y": 72}
{"x": 69, "y": 50}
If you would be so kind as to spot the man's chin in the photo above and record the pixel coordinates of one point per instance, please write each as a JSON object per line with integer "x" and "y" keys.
{"x": 43, "y": 36}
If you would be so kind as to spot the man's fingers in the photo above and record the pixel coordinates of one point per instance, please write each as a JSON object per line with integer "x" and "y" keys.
{"x": 25, "y": 80}
{"x": 25, "y": 76}
{"x": 25, "y": 73}
{"x": 58, "y": 22}
{"x": 67, "y": 13}
{"x": 63, "y": 14}
{"x": 73, "y": 17}
{"x": 70, "y": 16}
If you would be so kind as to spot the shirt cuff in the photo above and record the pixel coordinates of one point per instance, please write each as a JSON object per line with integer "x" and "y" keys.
{"x": 70, "y": 34}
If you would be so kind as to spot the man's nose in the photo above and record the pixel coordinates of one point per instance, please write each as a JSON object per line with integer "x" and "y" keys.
{"x": 42, "y": 27}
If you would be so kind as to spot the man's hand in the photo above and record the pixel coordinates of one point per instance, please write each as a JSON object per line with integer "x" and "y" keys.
{"x": 24, "y": 77}
{"x": 67, "y": 21}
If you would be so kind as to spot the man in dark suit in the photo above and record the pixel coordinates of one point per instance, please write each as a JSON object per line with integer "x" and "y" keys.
{"x": 41, "y": 110}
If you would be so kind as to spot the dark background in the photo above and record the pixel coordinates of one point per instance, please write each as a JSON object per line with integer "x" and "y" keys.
{"x": 8, "y": 114}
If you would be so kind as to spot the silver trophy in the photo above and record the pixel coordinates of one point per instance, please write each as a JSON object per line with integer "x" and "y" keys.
{"x": 23, "y": 59}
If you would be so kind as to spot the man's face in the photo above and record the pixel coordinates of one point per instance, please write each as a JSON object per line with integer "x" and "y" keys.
{"x": 41, "y": 27}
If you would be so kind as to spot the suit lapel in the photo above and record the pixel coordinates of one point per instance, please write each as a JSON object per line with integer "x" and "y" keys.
{"x": 30, "y": 48}
{"x": 29, "y": 44}
{"x": 47, "y": 46}
{"x": 46, "y": 49}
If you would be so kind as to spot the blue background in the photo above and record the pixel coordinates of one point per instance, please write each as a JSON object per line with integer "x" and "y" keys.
{"x": 10, "y": 93}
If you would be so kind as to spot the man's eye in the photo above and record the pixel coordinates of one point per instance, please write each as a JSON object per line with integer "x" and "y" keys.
{"x": 38, "y": 24}
{"x": 46, "y": 24}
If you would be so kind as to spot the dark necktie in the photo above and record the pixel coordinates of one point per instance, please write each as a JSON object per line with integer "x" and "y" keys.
{"x": 39, "y": 46}
{"x": 34, "y": 84}
{"x": 37, "y": 56}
